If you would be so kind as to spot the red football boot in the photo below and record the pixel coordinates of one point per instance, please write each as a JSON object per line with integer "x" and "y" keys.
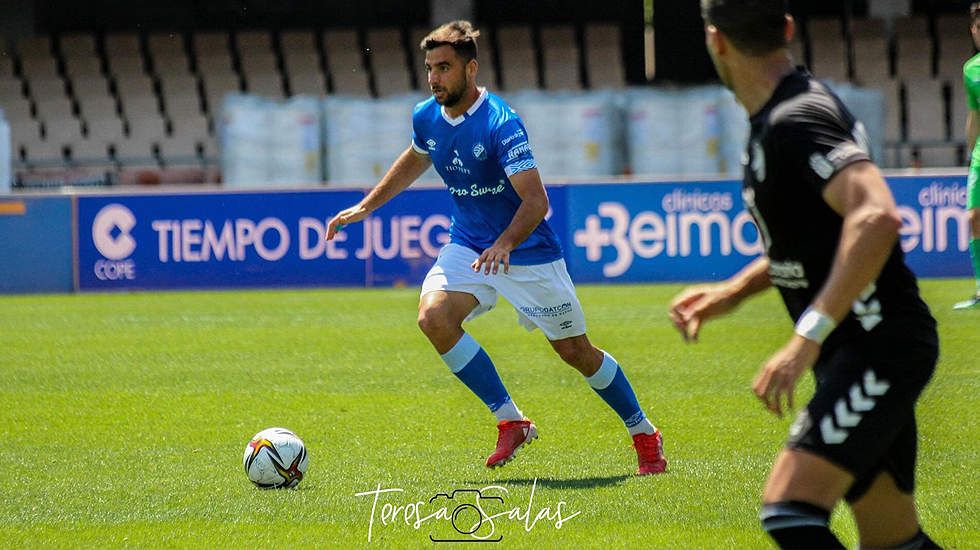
{"x": 512, "y": 435}
{"x": 649, "y": 453}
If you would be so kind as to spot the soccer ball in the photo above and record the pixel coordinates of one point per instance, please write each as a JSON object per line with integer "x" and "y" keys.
{"x": 275, "y": 458}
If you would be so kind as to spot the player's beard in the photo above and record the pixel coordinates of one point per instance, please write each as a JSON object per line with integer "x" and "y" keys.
{"x": 453, "y": 95}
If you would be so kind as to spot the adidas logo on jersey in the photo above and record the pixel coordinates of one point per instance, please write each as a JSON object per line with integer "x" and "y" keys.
{"x": 835, "y": 428}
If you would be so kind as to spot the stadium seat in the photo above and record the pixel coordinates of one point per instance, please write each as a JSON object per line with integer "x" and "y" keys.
{"x": 54, "y": 108}
{"x": 297, "y": 41}
{"x": 344, "y": 62}
{"x": 252, "y": 42}
{"x": 62, "y": 130}
{"x": 955, "y": 44}
{"x": 178, "y": 84}
{"x": 214, "y": 63}
{"x": 38, "y": 46}
{"x": 603, "y": 56}
{"x": 212, "y": 53}
{"x": 175, "y": 151}
{"x": 42, "y": 88}
{"x": 181, "y": 104}
{"x": 871, "y": 59}
{"x": 892, "y": 94}
{"x": 6, "y": 63}
{"x": 125, "y": 65}
{"x": 176, "y": 64}
{"x": 388, "y": 61}
{"x": 914, "y": 47}
{"x": 108, "y": 129}
{"x": 191, "y": 126}
{"x": 90, "y": 86}
{"x": 97, "y": 106}
{"x": 829, "y": 58}
{"x": 11, "y": 86}
{"x": 16, "y": 109}
{"x": 134, "y": 85}
{"x": 925, "y": 110}
{"x": 518, "y": 59}
{"x": 39, "y": 67}
{"x": 83, "y": 66}
{"x": 134, "y": 152}
{"x": 166, "y": 44}
{"x": 77, "y": 44}
{"x": 265, "y": 84}
{"x": 147, "y": 125}
{"x": 25, "y": 131}
{"x": 89, "y": 151}
{"x": 121, "y": 44}
{"x": 216, "y": 87}
{"x": 561, "y": 60}
{"x": 306, "y": 83}
{"x": 44, "y": 152}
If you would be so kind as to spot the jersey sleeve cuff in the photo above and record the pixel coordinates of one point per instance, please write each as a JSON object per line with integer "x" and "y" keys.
{"x": 518, "y": 167}
{"x": 418, "y": 149}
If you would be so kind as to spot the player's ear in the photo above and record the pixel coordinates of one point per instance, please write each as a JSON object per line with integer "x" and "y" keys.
{"x": 714, "y": 40}
{"x": 790, "y": 31}
{"x": 471, "y": 67}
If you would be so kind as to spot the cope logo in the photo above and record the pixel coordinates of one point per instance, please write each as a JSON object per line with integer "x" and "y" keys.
{"x": 111, "y": 235}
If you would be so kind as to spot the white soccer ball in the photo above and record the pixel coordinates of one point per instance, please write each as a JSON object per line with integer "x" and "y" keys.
{"x": 275, "y": 458}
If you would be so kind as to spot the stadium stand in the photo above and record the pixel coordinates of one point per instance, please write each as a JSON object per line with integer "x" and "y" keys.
{"x": 154, "y": 97}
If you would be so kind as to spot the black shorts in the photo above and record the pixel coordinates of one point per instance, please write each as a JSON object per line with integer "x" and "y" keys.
{"x": 862, "y": 415}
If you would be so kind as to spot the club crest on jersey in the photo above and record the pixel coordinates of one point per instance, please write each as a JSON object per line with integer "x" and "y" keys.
{"x": 479, "y": 152}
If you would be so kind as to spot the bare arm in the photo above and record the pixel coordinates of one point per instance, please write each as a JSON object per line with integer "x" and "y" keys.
{"x": 695, "y": 305}
{"x": 406, "y": 169}
{"x": 869, "y": 232}
{"x": 533, "y": 208}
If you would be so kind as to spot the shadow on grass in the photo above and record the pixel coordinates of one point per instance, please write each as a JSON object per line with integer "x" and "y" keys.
{"x": 551, "y": 483}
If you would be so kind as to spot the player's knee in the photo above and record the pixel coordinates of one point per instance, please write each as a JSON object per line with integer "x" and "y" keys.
{"x": 432, "y": 322}
{"x": 795, "y": 524}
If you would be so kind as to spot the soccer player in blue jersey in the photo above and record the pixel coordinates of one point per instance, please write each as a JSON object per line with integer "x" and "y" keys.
{"x": 499, "y": 244}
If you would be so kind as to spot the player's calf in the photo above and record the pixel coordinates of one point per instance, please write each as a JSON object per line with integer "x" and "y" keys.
{"x": 795, "y": 524}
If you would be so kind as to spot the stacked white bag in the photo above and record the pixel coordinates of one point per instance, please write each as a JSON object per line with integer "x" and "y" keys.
{"x": 270, "y": 142}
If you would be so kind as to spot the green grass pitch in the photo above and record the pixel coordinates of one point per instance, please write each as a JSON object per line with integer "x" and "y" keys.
{"x": 123, "y": 419}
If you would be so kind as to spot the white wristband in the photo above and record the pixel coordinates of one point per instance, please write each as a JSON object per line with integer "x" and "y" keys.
{"x": 815, "y": 325}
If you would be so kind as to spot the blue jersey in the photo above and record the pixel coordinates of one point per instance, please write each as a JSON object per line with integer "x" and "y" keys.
{"x": 475, "y": 154}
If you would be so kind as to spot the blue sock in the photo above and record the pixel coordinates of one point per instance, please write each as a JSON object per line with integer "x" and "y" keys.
{"x": 614, "y": 388}
{"x": 471, "y": 364}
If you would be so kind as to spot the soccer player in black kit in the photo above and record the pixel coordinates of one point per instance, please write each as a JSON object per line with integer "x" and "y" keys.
{"x": 829, "y": 226}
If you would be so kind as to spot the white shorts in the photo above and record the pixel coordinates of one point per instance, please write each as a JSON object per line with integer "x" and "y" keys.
{"x": 542, "y": 294}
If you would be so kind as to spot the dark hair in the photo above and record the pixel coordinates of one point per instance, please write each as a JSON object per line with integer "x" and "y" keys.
{"x": 756, "y": 27}
{"x": 460, "y": 35}
{"x": 975, "y": 11}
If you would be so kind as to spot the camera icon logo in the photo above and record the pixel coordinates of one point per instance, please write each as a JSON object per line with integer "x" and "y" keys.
{"x": 468, "y": 516}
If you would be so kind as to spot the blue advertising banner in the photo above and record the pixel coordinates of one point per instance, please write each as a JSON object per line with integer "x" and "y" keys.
{"x": 935, "y": 232}
{"x": 215, "y": 240}
{"x": 35, "y": 244}
{"x": 658, "y": 232}
{"x": 640, "y": 232}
